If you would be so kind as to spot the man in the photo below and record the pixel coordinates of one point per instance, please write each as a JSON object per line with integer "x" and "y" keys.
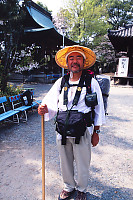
{"x": 76, "y": 59}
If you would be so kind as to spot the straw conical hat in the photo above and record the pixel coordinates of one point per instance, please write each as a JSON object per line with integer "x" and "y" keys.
{"x": 88, "y": 54}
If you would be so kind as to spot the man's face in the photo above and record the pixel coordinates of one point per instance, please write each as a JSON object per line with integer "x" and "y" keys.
{"x": 75, "y": 62}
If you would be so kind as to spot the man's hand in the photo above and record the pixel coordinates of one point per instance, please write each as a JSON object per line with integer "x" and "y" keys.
{"x": 94, "y": 139}
{"x": 42, "y": 109}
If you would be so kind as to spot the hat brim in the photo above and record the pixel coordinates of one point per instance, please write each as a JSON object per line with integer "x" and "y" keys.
{"x": 61, "y": 55}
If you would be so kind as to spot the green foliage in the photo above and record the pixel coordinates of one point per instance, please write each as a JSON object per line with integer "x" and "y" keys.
{"x": 43, "y": 6}
{"x": 85, "y": 20}
{"x": 11, "y": 29}
{"x": 119, "y": 12}
{"x": 88, "y": 21}
{"x": 9, "y": 9}
{"x": 11, "y": 90}
{"x": 14, "y": 55}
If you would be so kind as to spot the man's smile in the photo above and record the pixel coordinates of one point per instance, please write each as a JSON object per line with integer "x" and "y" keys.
{"x": 75, "y": 65}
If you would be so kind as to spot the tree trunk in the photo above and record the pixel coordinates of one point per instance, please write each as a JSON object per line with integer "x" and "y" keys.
{"x": 4, "y": 80}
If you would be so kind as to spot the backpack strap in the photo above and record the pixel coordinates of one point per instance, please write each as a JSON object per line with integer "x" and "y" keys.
{"x": 65, "y": 82}
{"x": 66, "y": 86}
{"x": 78, "y": 91}
{"x": 88, "y": 78}
{"x": 65, "y": 79}
{"x": 85, "y": 81}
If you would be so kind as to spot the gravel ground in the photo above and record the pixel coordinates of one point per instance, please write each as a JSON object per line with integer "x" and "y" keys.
{"x": 111, "y": 171}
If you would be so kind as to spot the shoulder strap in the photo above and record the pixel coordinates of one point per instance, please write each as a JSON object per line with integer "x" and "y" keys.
{"x": 78, "y": 91}
{"x": 65, "y": 79}
{"x": 88, "y": 79}
{"x": 65, "y": 83}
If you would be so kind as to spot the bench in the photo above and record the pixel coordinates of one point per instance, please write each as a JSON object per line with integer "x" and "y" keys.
{"x": 5, "y": 115}
{"x": 18, "y": 106}
{"x": 52, "y": 77}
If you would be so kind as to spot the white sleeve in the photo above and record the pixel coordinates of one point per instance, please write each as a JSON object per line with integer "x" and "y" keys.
{"x": 51, "y": 100}
{"x": 99, "y": 109}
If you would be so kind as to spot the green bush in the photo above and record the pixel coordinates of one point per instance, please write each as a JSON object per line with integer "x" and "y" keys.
{"x": 11, "y": 90}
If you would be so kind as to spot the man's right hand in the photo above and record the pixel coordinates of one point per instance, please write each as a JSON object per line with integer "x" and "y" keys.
{"x": 42, "y": 109}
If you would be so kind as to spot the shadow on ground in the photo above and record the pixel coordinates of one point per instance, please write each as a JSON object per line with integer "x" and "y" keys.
{"x": 111, "y": 194}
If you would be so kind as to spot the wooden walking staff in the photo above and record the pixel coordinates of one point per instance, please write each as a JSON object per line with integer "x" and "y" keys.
{"x": 43, "y": 157}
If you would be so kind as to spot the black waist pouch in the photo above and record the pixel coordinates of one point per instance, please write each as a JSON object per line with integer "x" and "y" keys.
{"x": 70, "y": 123}
{"x": 91, "y": 99}
{"x": 89, "y": 118}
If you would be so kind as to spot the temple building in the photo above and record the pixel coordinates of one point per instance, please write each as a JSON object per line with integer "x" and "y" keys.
{"x": 39, "y": 30}
{"x": 122, "y": 41}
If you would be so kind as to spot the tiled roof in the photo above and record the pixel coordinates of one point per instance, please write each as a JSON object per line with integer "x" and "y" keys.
{"x": 127, "y": 31}
{"x": 122, "y": 39}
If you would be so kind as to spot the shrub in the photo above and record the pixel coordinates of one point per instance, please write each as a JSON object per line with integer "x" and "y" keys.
{"x": 11, "y": 90}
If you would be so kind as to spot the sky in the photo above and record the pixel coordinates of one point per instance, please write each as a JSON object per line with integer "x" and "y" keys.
{"x": 53, "y": 5}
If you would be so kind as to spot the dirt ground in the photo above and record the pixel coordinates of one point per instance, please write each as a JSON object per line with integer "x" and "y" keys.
{"x": 111, "y": 171}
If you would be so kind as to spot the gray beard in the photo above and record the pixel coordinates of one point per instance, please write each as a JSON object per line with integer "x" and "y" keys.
{"x": 76, "y": 71}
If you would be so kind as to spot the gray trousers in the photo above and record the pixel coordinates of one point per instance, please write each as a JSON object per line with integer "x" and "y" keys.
{"x": 81, "y": 154}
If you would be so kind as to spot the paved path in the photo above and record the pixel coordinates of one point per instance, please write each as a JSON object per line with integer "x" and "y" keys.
{"x": 111, "y": 171}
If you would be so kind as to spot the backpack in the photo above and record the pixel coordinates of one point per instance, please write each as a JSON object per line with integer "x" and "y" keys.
{"x": 84, "y": 78}
{"x": 104, "y": 83}
{"x": 27, "y": 98}
{"x": 88, "y": 78}
{"x": 71, "y": 122}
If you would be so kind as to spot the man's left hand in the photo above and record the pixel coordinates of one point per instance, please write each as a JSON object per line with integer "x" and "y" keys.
{"x": 94, "y": 139}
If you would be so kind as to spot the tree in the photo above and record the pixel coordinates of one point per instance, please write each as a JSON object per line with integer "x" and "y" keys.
{"x": 61, "y": 20}
{"x": 11, "y": 29}
{"x": 105, "y": 55}
{"x": 11, "y": 49}
{"x": 84, "y": 19}
{"x": 43, "y": 6}
{"x": 87, "y": 22}
{"x": 95, "y": 23}
{"x": 120, "y": 12}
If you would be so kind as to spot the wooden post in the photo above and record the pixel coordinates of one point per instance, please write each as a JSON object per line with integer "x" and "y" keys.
{"x": 43, "y": 157}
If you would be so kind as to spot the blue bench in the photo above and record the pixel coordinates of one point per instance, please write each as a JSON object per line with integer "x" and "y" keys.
{"x": 18, "y": 106}
{"x": 5, "y": 115}
{"x": 52, "y": 77}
